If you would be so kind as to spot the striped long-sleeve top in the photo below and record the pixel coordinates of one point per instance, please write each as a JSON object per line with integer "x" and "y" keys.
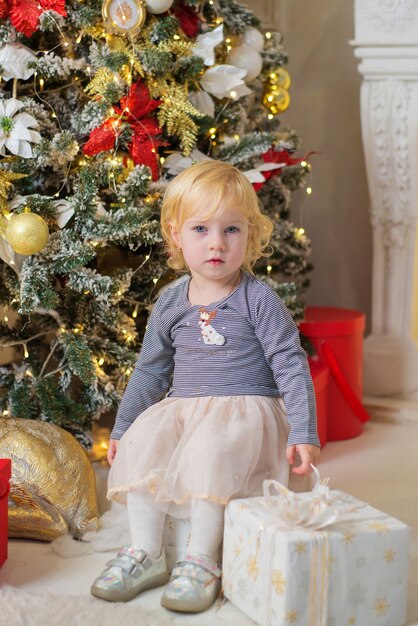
{"x": 244, "y": 344}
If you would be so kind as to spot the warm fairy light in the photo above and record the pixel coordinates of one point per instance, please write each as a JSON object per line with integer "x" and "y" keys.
{"x": 303, "y": 163}
{"x": 25, "y": 351}
{"x": 233, "y": 94}
{"x": 228, "y": 40}
{"x": 236, "y": 137}
{"x": 88, "y": 70}
{"x": 176, "y": 37}
{"x": 268, "y": 35}
{"x": 269, "y": 268}
{"x": 128, "y": 371}
{"x": 301, "y": 231}
{"x": 124, "y": 331}
{"x": 53, "y": 115}
{"x": 132, "y": 61}
{"x": 309, "y": 190}
{"x": 14, "y": 301}
{"x": 6, "y": 319}
{"x": 212, "y": 130}
{"x": 147, "y": 257}
{"x": 273, "y": 75}
{"x": 155, "y": 281}
{"x": 123, "y": 200}
{"x": 6, "y": 412}
{"x": 119, "y": 293}
{"x": 135, "y": 312}
{"x": 270, "y": 116}
{"x": 76, "y": 330}
{"x": 229, "y": 48}
{"x": 101, "y": 361}
{"x": 41, "y": 84}
{"x": 162, "y": 159}
{"x": 213, "y": 136}
{"x": 78, "y": 39}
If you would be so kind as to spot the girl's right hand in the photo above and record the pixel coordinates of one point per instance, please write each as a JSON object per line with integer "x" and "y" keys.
{"x": 112, "y": 449}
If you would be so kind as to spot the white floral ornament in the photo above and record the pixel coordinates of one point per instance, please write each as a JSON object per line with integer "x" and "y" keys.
{"x": 16, "y": 131}
{"x": 225, "y": 81}
{"x": 176, "y": 162}
{"x": 206, "y": 43}
{"x": 14, "y": 61}
{"x": 203, "y": 102}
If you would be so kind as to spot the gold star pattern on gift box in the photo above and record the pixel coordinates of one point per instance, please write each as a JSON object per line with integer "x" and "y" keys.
{"x": 279, "y": 582}
{"x": 381, "y": 606}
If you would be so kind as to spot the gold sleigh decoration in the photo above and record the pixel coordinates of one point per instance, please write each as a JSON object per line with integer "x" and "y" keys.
{"x": 52, "y": 490}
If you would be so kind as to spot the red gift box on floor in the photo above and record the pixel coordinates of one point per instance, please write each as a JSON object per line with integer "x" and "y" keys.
{"x": 320, "y": 379}
{"x": 5, "y": 474}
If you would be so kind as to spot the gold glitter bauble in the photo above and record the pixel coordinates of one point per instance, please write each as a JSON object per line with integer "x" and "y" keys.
{"x": 277, "y": 101}
{"x": 27, "y": 233}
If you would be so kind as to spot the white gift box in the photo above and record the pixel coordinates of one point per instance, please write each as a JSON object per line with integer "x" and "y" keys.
{"x": 315, "y": 559}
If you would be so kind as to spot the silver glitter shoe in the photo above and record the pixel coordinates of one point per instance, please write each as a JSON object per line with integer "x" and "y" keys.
{"x": 129, "y": 574}
{"x": 194, "y": 585}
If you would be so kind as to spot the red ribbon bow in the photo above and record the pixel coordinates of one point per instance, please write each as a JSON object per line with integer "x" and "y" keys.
{"x": 133, "y": 109}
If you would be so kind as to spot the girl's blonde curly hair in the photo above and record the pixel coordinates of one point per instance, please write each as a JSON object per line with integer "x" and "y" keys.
{"x": 220, "y": 183}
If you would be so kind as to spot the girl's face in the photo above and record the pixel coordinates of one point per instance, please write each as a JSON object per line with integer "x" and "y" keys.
{"x": 214, "y": 248}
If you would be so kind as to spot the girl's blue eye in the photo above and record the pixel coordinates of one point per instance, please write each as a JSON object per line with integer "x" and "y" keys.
{"x": 200, "y": 229}
{"x": 232, "y": 229}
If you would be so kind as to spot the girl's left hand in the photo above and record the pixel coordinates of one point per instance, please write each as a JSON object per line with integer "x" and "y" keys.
{"x": 308, "y": 454}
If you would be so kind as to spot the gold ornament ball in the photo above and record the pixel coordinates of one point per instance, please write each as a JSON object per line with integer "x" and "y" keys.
{"x": 27, "y": 233}
{"x": 280, "y": 77}
{"x": 277, "y": 101}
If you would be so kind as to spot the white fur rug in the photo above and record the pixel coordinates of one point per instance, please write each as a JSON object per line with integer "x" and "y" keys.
{"x": 20, "y": 608}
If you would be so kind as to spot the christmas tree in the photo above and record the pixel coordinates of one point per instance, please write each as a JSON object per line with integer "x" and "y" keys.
{"x": 102, "y": 103}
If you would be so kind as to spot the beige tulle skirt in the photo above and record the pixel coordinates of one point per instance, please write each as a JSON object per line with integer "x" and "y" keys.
{"x": 215, "y": 448}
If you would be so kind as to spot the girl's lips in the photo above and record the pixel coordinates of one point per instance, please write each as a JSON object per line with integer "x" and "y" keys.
{"x": 215, "y": 261}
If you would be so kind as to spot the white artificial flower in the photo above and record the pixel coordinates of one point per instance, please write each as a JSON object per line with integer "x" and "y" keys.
{"x": 225, "y": 81}
{"x": 16, "y": 131}
{"x": 176, "y": 162}
{"x": 206, "y": 43}
{"x": 255, "y": 175}
{"x": 65, "y": 211}
{"x": 14, "y": 61}
{"x": 203, "y": 102}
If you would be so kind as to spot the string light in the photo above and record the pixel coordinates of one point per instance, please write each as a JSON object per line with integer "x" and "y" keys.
{"x": 309, "y": 190}
{"x": 303, "y": 163}
{"x": 128, "y": 371}
{"x": 301, "y": 231}
{"x": 6, "y": 412}
{"x": 155, "y": 281}
{"x": 237, "y": 137}
{"x": 135, "y": 312}
{"x": 268, "y": 35}
{"x": 269, "y": 268}
{"x": 101, "y": 361}
{"x": 41, "y": 84}
{"x": 25, "y": 351}
{"x": 270, "y": 116}
{"x": 233, "y": 94}
{"x": 6, "y": 319}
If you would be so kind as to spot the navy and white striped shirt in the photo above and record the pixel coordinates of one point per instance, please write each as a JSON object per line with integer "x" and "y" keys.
{"x": 244, "y": 344}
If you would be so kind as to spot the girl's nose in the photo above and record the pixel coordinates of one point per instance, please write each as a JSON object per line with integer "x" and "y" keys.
{"x": 217, "y": 241}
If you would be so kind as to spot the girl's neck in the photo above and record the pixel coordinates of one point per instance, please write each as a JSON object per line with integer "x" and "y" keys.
{"x": 205, "y": 292}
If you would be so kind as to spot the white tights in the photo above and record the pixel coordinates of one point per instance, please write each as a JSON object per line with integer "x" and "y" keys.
{"x": 146, "y": 523}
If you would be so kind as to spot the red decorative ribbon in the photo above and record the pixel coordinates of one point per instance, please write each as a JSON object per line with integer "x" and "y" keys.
{"x": 278, "y": 156}
{"x": 188, "y": 18}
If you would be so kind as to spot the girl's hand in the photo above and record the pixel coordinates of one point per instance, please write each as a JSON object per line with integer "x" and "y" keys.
{"x": 112, "y": 449}
{"x": 308, "y": 454}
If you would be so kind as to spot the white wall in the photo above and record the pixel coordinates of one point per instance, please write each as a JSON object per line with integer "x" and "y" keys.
{"x": 325, "y": 113}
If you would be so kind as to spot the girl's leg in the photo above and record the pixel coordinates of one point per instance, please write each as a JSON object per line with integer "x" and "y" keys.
{"x": 146, "y": 524}
{"x": 207, "y": 522}
{"x": 195, "y": 581}
{"x": 142, "y": 565}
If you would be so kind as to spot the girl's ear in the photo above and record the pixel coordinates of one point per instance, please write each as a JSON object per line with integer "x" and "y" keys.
{"x": 175, "y": 235}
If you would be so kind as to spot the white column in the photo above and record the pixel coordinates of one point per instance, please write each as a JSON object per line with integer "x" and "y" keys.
{"x": 386, "y": 42}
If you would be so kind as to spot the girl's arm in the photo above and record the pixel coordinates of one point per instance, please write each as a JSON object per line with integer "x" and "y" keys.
{"x": 279, "y": 337}
{"x": 151, "y": 377}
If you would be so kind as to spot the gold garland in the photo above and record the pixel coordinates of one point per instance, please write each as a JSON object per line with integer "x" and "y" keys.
{"x": 176, "y": 111}
{"x": 98, "y": 85}
{"x": 6, "y": 181}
